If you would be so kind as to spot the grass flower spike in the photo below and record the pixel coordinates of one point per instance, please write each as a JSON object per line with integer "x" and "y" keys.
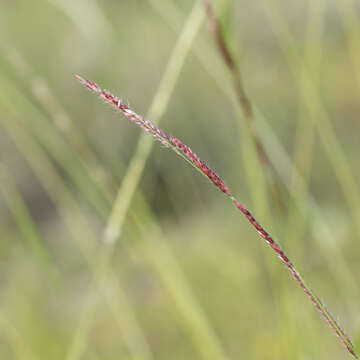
{"x": 188, "y": 155}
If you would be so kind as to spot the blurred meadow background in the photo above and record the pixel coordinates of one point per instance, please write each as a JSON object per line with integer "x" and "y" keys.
{"x": 112, "y": 247}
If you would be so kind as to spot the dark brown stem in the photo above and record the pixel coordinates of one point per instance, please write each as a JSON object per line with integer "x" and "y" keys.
{"x": 243, "y": 100}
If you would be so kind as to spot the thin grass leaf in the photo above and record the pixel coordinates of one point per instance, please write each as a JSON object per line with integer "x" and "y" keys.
{"x": 189, "y": 156}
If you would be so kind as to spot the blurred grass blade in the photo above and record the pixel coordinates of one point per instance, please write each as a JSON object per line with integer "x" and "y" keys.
{"x": 132, "y": 177}
{"x": 23, "y": 218}
{"x": 56, "y": 145}
{"x": 89, "y": 18}
{"x": 18, "y": 344}
{"x": 161, "y": 258}
{"x": 156, "y": 111}
{"x": 305, "y": 130}
{"x": 309, "y": 94}
{"x": 62, "y": 121}
{"x": 77, "y": 223}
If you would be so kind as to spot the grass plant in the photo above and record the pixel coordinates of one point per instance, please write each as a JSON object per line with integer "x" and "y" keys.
{"x": 179, "y": 276}
{"x": 190, "y": 157}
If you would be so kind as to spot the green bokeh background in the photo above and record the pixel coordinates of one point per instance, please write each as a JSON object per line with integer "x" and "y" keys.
{"x": 190, "y": 278}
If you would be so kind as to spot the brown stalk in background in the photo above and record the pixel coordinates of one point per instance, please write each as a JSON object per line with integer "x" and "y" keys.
{"x": 242, "y": 98}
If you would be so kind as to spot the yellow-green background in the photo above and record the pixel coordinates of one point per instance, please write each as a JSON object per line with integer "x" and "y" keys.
{"x": 190, "y": 278}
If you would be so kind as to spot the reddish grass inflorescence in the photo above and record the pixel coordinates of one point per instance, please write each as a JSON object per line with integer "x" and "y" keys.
{"x": 180, "y": 148}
